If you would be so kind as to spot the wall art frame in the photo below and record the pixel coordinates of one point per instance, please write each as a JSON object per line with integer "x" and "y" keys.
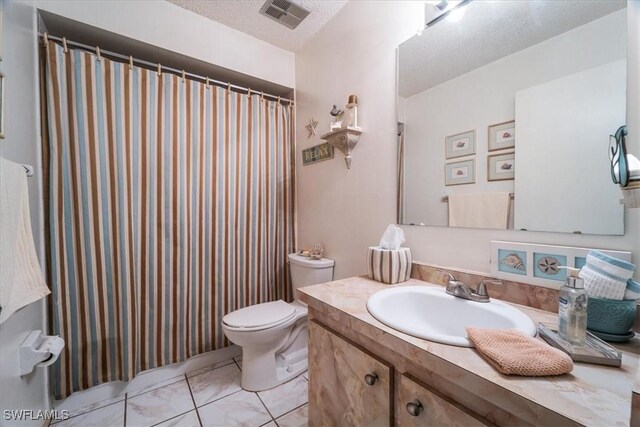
{"x": 459, "y": 173}
{"x": 501, "y": 136}
{"x": 501, "y": 167}
{"x": 460, "y": 145}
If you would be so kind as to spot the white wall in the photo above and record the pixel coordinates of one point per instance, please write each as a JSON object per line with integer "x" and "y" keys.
{"x": 348, "y": 210}
{"x": 486, "y": 96}
{"x": 163, "y": 24}
{"x": 22, "y": 145}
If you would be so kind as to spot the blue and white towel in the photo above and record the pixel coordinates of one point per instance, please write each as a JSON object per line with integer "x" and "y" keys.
{"x": 606, "y": 276}
{"x": 633, "y": 290}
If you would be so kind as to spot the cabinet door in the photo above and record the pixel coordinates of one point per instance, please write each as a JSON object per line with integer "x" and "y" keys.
{"x": 417, "y": 405}
{"x": 347, "y": 386}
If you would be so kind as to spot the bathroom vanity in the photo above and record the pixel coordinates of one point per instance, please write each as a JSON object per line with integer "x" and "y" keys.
{"x": 363, "y": 372}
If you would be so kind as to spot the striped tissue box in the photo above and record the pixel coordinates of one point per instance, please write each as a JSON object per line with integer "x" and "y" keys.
{"x": 389, "y": 266}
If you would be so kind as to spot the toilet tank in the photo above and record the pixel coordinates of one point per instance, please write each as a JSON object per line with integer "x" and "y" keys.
{"x": 306, "y": 271}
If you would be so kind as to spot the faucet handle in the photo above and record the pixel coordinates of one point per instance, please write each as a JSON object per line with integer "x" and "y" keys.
{"x": 482, "y": 287}
{"x": 451, "y": 277}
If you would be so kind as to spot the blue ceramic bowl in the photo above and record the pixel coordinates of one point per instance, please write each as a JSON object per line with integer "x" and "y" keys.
{"x": 610, "y": 316}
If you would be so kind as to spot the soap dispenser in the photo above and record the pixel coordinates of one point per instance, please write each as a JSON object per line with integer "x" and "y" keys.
{"x": 572, "y": 313}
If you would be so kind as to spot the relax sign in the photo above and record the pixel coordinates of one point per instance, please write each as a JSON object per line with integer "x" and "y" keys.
{"x": 317, "y": 154}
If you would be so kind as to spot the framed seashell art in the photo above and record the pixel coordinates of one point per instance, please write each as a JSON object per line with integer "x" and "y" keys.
{"x": 539, "y": 264}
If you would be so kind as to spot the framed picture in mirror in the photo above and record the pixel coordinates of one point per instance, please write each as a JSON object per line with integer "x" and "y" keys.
{"x": 502, "y": 136}
{"x": 458, "y": 173}
{"x": 501, "y": 167}
{"x": 460, "y": 145}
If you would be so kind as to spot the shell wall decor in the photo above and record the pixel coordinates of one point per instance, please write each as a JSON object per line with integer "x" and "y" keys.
{"x": 539, "y": 264}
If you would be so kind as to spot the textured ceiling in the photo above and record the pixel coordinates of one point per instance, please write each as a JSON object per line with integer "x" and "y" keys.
{"x": 488, "y": 31}
{"x": 243, "y": 15}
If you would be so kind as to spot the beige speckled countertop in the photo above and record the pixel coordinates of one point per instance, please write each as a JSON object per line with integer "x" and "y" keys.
{"x": 590, "y": 395}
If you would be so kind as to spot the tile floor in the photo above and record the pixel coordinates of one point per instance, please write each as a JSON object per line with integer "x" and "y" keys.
{"x": 208, "y": 397}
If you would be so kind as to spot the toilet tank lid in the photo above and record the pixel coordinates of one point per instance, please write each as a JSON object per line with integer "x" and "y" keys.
{"x": 310, "y": 263}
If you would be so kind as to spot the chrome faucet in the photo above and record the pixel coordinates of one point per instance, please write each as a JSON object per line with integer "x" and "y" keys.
{"x": 460, "y": 290}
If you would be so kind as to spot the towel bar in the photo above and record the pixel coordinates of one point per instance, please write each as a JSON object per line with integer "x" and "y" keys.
{"x": 445, "y": 197}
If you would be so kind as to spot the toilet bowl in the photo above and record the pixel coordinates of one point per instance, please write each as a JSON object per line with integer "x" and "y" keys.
{"x": 274, "y": 335}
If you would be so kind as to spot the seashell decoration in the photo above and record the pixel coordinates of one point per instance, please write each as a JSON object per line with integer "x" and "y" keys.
{"x": 513, "y": 261}
{"x": 316, "y": 251}
{"x": 549, "y": 265}
{"x": 506, "y": 166}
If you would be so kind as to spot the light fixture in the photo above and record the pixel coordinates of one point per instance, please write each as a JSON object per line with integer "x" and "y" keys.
{"x": 455, "y": 14}
{"x": 453, "y": 10}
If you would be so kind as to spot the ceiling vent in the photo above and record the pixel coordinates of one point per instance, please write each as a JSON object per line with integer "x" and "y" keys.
{"x": 285, "y": 12}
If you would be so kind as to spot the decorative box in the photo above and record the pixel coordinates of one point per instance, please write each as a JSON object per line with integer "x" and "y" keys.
{"x": 388, "y": 265}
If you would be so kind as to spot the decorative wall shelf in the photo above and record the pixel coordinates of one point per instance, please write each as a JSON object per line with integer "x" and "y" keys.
{"x": 345, "y": 140}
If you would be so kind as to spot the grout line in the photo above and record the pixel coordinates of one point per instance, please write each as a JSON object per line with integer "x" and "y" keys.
{"x": 288, "y": 412}
{"x": 237, "y": 364}
{"x": 193, "y": 399}
{"x": 265, "y": 407}
{"x": 220, "y": 398}
{"x": 139, "y": 393}
{"x": 88, "y": 412}
{"x": 82, "y": 410}
{"x": 168, "y": 419}
{"x": 206, "y": 369}
{"x": 125, "y": 410}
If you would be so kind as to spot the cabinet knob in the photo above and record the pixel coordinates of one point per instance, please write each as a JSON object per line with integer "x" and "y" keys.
{"x": 371, "y": 379}
{"x": 415, "y": 408}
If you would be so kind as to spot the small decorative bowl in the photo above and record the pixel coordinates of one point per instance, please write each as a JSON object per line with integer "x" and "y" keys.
{"x": 610, "y": 316}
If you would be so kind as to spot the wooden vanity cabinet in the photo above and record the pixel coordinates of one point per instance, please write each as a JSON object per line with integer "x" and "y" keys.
{"x": 419, "y": 405}
{"x": 349, "y": 386}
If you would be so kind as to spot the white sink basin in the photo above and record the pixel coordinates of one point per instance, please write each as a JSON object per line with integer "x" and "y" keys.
{"x": 434, "y": 315}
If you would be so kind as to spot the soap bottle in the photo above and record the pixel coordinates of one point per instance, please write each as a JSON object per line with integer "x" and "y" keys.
{"x": 572, "y": 314}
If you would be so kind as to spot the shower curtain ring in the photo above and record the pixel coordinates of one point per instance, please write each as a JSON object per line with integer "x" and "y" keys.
{"x": 183, "y": 76}
{"x": 64, "y": 45}
{"x": 98, "y": 53}
{"x": 159, "y": 69}
{"x": 130, "y": 62}
{"x": 229, "y": 87}
{"x": 207, "y": 83}
{"x": 45, "y": 36}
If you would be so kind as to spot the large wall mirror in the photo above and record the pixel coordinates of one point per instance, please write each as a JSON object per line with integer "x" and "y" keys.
{"x": 505, "y": 116}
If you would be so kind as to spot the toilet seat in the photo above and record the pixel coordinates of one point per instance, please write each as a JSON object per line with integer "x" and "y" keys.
{"x": 260, "y": 316}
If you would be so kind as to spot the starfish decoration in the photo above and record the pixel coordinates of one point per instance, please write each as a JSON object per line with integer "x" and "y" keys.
{"x": 311, "y": 127}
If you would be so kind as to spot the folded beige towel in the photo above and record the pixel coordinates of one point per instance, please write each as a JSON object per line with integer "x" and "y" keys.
{"x": 479, "y": 210}
{"x": 513, "y": 353}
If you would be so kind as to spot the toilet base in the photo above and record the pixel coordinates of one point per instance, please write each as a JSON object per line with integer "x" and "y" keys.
{"x": 263, "y": 369}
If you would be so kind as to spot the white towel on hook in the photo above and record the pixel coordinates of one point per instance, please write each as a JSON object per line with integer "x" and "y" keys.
{"x": 479, "y": 210}
{"x": 21, "y": 279}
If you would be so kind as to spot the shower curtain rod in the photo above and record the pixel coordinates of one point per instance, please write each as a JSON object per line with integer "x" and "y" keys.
{"x": 160, "y": 67}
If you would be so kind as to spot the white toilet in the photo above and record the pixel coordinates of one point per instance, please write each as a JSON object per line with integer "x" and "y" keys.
{"x": 274, "y": 335}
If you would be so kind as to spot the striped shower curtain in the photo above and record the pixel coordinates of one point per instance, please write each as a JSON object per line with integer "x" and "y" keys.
{"x": 170, "y": 204}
